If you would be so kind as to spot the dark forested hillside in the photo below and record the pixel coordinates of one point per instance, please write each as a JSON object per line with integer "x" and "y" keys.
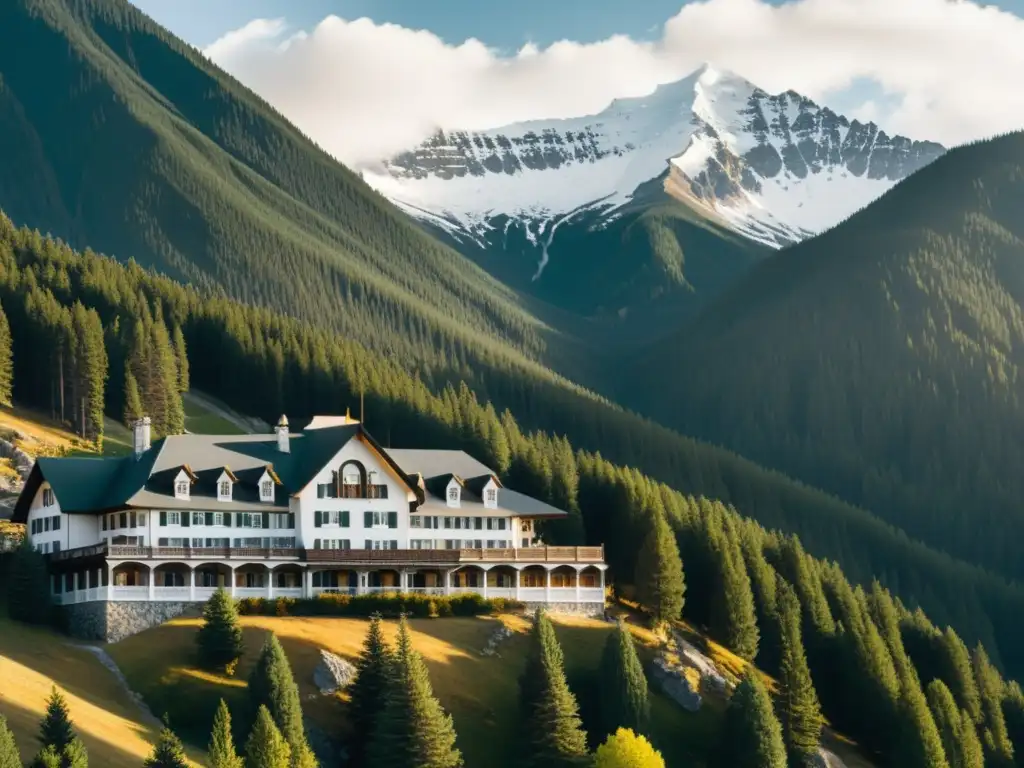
{"x": 265, "y": 363}
{"x": 120, "y": 137}
{"x": 883, "y": 360}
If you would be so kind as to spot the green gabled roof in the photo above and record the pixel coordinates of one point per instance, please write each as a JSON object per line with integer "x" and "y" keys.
{"x": 99, "y": 484}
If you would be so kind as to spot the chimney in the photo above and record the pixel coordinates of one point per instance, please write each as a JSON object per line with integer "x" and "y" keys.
{"x": 140, "y": 430}
{"x": 281, "y": 430}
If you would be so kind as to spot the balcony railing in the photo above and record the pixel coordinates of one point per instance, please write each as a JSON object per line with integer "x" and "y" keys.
{"x": 451, "y": 557}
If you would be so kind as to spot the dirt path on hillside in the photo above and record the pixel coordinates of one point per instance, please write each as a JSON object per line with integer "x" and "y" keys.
{"x": 110, "y": 664}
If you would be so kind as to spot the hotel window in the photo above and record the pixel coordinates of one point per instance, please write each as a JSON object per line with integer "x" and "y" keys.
{"x": 218, "y": 518}
{"x": 224, "y": 490}
{"x": 370, "y": 544}
{"x": 198, "y": 518}
{"x": 122, "y": 520}
{"x": 496, "y": 524}
{"x": 421, "y": 544}
{"x": 174, "y": 518}
{"x": 267, "y": 490}
{"x": 453, "y": 495}
{"x": 142, "y": 519}
{"x": 332, "y": 544}
{"x": 491, "y": 497}
{"x": 415, "y": 521}
{"x": 48, "y": 497}
{"x": 181, "y": 489}
{"x": 172, "y": 543}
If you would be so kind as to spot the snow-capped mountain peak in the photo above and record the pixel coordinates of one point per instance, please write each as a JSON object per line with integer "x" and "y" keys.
{"x": 775, "y": 168}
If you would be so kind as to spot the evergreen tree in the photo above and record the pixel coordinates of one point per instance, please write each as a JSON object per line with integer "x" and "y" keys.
{"x": 625, "y": 749}
{"x": 412, "y": 731}
{"x": 219, "y": 639}
{"x": 272, "y": 685}
{"x": 799, "y": 710}
{"x": 181, "y": 360}
{"x": 222, "y": 745}
{"x": 553, "y": 732}
{"x": 995, "y": 737}
{"x": 367, "y": 691}
{"x": 48, "y": 757}
{"x": 751, "y": 734}
{"x": 763, "y": 582}
{"x": 6, "y": 361}
{"x": 28, "y": 585}
{"x": 9, "y": 755}
{"x": 266, "y": 747}
{"x": 132, "y": 399}
{"x": 1013, "y": 712}
{"x": 624, "y": 701}
{"x": 956, "y": 729}
{"x": 168, "y": 751}
{"x": 659, "y": 573}
{"x": 958, "y": 674}
{"x": 733, "y": 618}
{"x": 56, "y": 729}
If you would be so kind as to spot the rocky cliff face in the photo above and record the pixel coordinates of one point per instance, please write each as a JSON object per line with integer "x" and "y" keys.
{"x": 775, "y": 168}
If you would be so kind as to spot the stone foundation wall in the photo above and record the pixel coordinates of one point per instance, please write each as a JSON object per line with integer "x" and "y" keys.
{"x": 113, "y": 621}
{"x": 577, "y": 609}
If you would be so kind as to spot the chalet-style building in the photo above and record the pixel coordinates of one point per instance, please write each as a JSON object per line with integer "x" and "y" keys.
{"x": 293, "y": 515}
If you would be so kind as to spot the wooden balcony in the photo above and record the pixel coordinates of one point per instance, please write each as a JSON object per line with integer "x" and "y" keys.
{"x": 453, "y": 557}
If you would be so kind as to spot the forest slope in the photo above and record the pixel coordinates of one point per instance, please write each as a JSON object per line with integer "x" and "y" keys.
{"x": 120, "y": 137}
{"x": 882, "y": 360}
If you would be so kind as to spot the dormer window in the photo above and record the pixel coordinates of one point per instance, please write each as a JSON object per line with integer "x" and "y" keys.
{"x": 491, "y": 497}
{"x": 453, "y": 494}
{"x": 267, "y": 490}
{"x": 224, "y": 484}
{"x": 182, "y": 486}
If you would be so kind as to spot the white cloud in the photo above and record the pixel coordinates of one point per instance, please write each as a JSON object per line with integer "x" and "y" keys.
{"x": 364, "y": 90}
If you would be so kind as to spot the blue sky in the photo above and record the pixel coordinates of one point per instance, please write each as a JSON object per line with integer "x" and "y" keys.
{"x": 943, "y": 70}
{"x": 506, "y": 25}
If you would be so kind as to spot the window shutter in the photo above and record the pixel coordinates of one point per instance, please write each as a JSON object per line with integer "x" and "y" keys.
{"x": 227, "y": 519}
{"x": 163, "y": 518}
{"x": 291, "y": 519}
{"x": 56, "y": 523}
{"x": 367, "y": 519}
{"x": 266, "y": 520}
{"x": 104, "y": 522}
{"x": 316, "y": 542}
{"x": 392, "y": 519}
{"x": 186, "y": 519}
{"x": 209, "y": 518}
{"x": 344, "y": 519}
{"x": 369, "y": 544}
{"x": 317, "y": 519}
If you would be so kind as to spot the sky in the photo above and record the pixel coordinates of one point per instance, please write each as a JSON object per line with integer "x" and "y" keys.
{"x": 369, "y": 78}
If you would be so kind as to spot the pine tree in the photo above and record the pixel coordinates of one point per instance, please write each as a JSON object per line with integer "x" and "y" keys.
{"x": 48, "y": 757}
{"x": 168, "y": 752}
{"x": 553, "y": 731}
{"x": 659, "y": 573}
{"x": 9, "y": 755}
{"x": 995, "y": 738}
{"x": 956, "y": 729}
{"x": 272, "y": 685}
{"x": 28, "y": 585}
{"x": 799, "y": 710}
{"x": 132, "y": 399}
{"x": 181, "y": 359}
{"x": 266, "y": 747}
{"x": 366, "y": 694}
{"x": 624, "y": 702}
{"x": 412, "y": 729}
{"x": 751, "y": 734}
{"x": 222, "y": 745}
{"x": 1013, "y": 712}
{"x": 625, "y": 749}
{"x": 56, "y": 729}
{"x": 6, "y": 361}
{"x": 219, "y": 639}
{"x": 958, "y": 674}
{"x": 734, "y": 619}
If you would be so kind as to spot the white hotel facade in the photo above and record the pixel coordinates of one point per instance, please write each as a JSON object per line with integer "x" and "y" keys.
{"x": 294, "y": 515}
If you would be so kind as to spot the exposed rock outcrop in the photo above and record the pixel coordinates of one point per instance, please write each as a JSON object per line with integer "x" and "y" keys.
{"x": 498, "y": 636}
{"x": 333, "y": 673}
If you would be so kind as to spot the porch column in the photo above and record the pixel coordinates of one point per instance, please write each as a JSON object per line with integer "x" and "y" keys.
{"x": 485, "y": 582}
{"x": 110, "y": 581}
{"x": 517, "y": 583}
{"x": 601, "y": 571}
{"x": 577, "y": 584}
{"x": 191, "y": 584}
{"x": 363, "y": 579}
{"x": 270, "y": 584}
{"x": 99, "y": 583}
{"x": 547, "y": 584}
{"x": 232, "y": 592}
{"x": 307, "y": 583}
{"x": 152, "y": 583}
{"x": 447, "y": 582}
